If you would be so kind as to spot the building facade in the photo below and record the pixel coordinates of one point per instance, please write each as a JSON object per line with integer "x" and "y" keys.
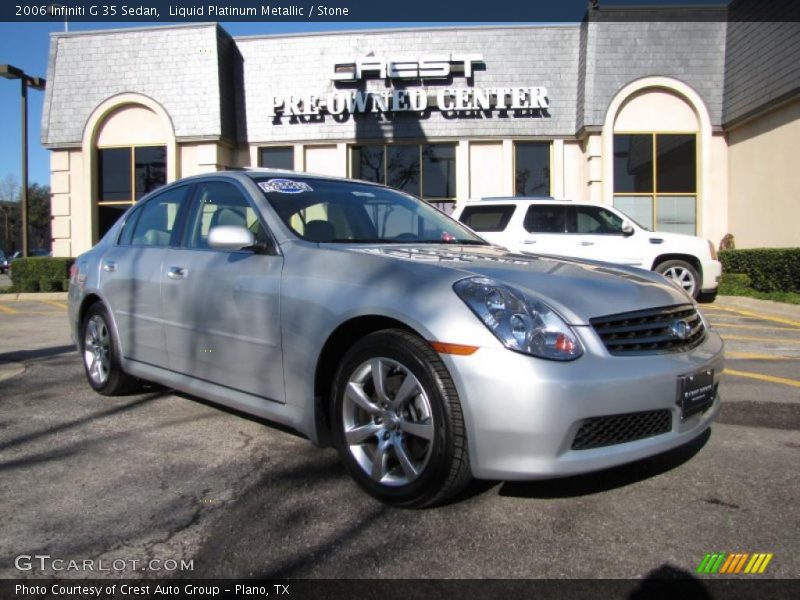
{"x": 687, "y": 126}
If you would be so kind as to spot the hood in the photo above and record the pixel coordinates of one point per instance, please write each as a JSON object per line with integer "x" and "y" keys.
{"x": 680, "y": 240}
{"x": 578, "y": 290}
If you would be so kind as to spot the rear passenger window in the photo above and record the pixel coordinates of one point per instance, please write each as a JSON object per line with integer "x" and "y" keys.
{"x": 157, "y": 218}
{"x": 487, "y": 218}
{"x": 546, "y": 218}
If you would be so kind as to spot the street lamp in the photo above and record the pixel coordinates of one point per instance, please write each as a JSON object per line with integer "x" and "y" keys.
{"x": 37, "y": 83}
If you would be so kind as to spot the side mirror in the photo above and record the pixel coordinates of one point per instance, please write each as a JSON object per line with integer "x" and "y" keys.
{"x": 627, "y": 229}
{"x": 230, "y": 237}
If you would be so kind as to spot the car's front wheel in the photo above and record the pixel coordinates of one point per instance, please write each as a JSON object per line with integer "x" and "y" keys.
{"x": 397, "y": 421}
{"x": 101, "y": 355}
{"x": 682, "y": 274}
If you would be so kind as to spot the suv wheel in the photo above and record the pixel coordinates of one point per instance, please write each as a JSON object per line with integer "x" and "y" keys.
{"x": 397, "y": 421}
{"x": 681, "y": 273}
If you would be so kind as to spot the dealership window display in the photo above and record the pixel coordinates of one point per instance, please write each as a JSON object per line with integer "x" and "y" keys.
{"x": 425, "y": 170}
{"x": 125, "y": 175}
{"x": 279, "y": 157}
{"x": 532, "y": 169}
{"x": 655, "y": 179}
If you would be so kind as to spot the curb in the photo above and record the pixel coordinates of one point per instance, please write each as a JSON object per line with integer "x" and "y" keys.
{"x": 33, "y": 296}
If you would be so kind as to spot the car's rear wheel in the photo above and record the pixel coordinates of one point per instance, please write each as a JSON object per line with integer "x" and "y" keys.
{"x": 101, "y": 355}
{"x": 397, "y": 421}
{"x": 681, "y": 273}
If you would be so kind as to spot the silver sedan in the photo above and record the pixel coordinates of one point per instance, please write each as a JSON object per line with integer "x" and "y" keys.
{"x": 364, "y": 318}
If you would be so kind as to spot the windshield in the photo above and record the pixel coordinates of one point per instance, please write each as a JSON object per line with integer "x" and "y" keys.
{"x": 321, "y": 210}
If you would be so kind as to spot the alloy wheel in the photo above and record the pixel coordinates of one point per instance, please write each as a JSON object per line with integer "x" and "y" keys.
{"x": 97, "y": 349}
{"x": 683, "y": 277}
{"x": 388, "y": 422}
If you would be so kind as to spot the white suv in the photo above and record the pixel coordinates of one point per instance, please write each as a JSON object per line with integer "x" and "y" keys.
{"x": 595, "y": 232}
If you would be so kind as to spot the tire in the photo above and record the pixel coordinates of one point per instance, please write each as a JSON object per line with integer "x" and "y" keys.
{"x": 100, "y": 351}
{"x": 707, "y": 297}
{"x": 408, "y": 451}
{"x": 682, "y": 273}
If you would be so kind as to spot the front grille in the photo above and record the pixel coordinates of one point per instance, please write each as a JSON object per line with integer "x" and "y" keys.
{"x": 618, "y": 429}
{"x": 654, "y": 331}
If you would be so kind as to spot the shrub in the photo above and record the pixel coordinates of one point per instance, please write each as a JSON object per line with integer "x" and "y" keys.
{"x": 28, "y": 284}
{"x": 769, "y": 269}
{"x": 45, "y": 272}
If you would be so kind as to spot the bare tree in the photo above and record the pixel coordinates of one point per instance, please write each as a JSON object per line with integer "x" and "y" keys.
{"x": 9, "y": 188}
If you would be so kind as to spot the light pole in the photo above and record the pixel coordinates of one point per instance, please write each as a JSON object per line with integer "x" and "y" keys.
{"x": 37, "y": 83}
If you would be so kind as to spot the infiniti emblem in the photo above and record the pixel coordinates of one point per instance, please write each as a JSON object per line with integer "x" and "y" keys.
{"x": 679, "y": 329}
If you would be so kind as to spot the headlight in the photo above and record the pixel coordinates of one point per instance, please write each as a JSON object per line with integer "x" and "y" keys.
{"x": 521, "y": 323}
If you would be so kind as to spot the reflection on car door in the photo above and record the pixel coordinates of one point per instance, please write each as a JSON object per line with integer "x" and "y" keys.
{"x": 130, "y": 276}
{"x": 222, "y": 308}
{"x": 596, "y": 234}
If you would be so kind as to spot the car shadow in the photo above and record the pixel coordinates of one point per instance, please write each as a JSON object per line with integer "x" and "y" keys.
{"x": 607, "y": 479}
{"x": 23, "y": 355}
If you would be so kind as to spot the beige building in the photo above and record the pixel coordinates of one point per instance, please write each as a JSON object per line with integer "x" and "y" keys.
{"x": 672, "y": 122}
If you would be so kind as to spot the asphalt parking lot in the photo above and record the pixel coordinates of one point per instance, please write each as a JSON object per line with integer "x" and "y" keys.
{"x": 163, "y": 476}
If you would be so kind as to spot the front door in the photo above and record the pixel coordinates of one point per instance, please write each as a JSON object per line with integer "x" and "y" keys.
{"x": 222, "y": 308}
{"x": 597, "y": 234}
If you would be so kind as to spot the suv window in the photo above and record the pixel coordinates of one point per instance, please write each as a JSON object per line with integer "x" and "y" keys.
{"x": 594, "y": 220}
{"x": 155, "y": 220}
{"x": 546, "y": 218}
{"x": 493, "y": 217}
{"x": 220, "y": 203}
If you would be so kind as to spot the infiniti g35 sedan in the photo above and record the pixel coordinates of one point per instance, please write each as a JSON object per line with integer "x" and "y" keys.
{"x": 366, "y": 319}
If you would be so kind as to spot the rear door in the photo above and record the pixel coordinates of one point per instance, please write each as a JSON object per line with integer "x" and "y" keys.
{"x": 544, "y": 230}
{"x": 222, "y": 307}
{"x": 130, "y": 275}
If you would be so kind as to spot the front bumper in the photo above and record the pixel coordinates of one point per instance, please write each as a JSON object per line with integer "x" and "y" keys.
{"x": 522, "y": 413}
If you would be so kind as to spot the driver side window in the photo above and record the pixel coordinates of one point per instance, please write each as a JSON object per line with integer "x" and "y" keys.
{"x": 594, "y": 220}
{"x": 220, "y": 203}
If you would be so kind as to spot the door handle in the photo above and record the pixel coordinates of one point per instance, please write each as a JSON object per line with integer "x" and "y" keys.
{"x": 177, "y": 272}
{"x": 586, "y": 243}
{"x": 528, "y": 241}
{"x": 109, "y": 266}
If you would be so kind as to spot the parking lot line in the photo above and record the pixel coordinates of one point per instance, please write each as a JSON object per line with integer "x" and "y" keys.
{"x": 755, "y": 356}
{"x": 757, "y": 327}
{"x": 748, "y": 338}
{"x": 54, "y": 303}
{"x": 7, "y": 309}
{"x": 747, "y": 313}
{"x": 763, "y": 377}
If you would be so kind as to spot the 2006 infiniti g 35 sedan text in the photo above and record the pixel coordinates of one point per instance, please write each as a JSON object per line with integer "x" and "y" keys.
{"x": 364, "y": 318}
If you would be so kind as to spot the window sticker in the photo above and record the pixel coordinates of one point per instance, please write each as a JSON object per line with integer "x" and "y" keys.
{"x": 285, "y": 186}
{"x": 363, "y": 194}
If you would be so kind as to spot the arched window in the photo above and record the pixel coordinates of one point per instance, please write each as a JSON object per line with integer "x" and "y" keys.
{"x": 130, "y": 160}
{"x": 655, "y": 161}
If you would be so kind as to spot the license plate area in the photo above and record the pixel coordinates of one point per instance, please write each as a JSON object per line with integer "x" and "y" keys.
{"x": 695, "y": 392}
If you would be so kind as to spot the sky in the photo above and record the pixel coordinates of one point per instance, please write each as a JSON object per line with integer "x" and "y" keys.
{"x": 25, "y": 45}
